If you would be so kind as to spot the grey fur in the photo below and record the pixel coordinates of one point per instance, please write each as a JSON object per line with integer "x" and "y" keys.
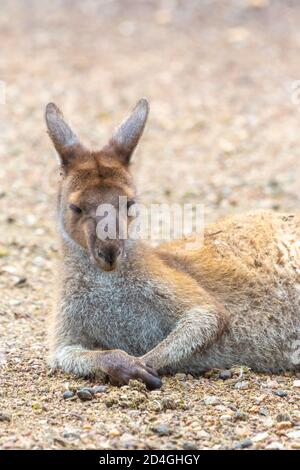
{"x": 127, "y": 135}
{"x": 136, "y": 310}
{"x": 59, "y": 131}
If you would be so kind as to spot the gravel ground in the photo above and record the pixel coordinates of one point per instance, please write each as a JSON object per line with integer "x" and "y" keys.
{"x": 221, "y": 77}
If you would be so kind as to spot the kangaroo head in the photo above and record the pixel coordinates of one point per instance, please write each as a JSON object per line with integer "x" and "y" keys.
{"x": 92, "y": 183}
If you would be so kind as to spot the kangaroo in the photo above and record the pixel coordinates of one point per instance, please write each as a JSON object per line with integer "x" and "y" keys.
{"x": 127, "y": 310}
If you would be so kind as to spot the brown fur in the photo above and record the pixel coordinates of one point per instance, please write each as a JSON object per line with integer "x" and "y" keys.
{"x": 234, "y": 299}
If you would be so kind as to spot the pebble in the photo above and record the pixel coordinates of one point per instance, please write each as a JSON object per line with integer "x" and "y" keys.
{"x": 5, "y": 417}
{"x": 284, "y": 425}
{"x": 240, "y": 416}
{"x": 269, "y": 422}
{"x": 168, "y": 404}
{"x": 222, "y": 408}
{"x": 296, "y": 383}
{"x": 84, "y": 394}
{"x": 270, "y": 384}
{"x": 14, "y": 302}
{"x": 225, "y": 418}
{"x": 242, "y": 432}
{"x": 294, "y": 434}
{"x": 243, "y": 385}
{"x": 68, "y": 394}
{"x": 114, "y": 433}
{"x": 89, "y": 389}
{"x": 275, "y": 446}
{"x": 225, "y": 374}
{"x": 244, "y": 444}
{"x": 180, "y": 376}
{"x": 99, "y": 389}
{"x": 263, "y": 411}
{"x": 161, "y": 429}
{"x": 261, "y": 436}
{"x": 203, "y": 434}
{"x": 282, "y": 417}
{"x": 280, "y": 393}
{"x": 260, "y": 399}
{"x": 211, "y": 400}
{"x": 20, "y": 282}
{"x": 190, "y": 446}
{"x": 71, "y": 435}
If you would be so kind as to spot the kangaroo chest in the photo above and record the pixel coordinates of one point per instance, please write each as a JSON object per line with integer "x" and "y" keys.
{"x": 128, "y": 314}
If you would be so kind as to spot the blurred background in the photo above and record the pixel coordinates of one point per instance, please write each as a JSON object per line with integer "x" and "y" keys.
{"x": 222, "y": 78}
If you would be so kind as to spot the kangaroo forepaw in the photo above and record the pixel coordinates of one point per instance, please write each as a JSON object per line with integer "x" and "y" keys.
{"x": 123, "y": 368}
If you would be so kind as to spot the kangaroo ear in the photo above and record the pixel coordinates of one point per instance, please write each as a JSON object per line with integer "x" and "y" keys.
{"x": 127, "y": 135}
{"x": 65, "y": 141}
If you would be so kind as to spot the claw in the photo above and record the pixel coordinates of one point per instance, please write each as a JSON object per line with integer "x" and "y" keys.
{"x": 127, "y": 367}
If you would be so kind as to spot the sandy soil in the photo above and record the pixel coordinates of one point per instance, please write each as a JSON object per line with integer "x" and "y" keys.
{"x": 221, "y": 77}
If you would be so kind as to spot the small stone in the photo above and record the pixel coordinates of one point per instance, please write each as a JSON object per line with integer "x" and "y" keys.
{"x": 20, "y": 282}
{"x": 161, "y": 429}
{"x": 271, "y": 384}
{"x": 221, "y": 408}
{"x": 71, "y": 435}
{"x": 209, "y": 374}
{"x": 89, "y": 389}
{"x": 261, "y": 436}
{"x": 168, "y": 403}
{"x": 294, "y": 434}
{"x": 276, "y": 445}
{"x": 137, "y": 385}
{"x": 244, "y": 444}
{"x": 296, "y": 383}
{"x": 190, "y": 446}
{"x": 14, "y": 302}
{"x": 211, "y": 400}
{"x": 242, "y": 432}
{"x": 243, "y": 385}
{"x": 68, "y": 394}
{"x": 280, "y": 393}
{"x": 203, "y": 434}
{"x": 99, "y": 389}
{"x": 269, "y": 422}
{"x": 284, "y": 425}
{"x": 84, "y": 394}
{"x": 282, "y": 417}
{"x": 240, "y": 416}
{"x": 263, "y": 411}
{"x": 225, "y": 374}
{"x": 260, "y": 399}
{"x": 5, "y": 417}
{"x": 128, "y": 441}
{"x": 180, "y": 377}
{"x": 226, "y": 146}
{"x": 295, "y": 445}
{"x": 225, "y": 418}
{"x": 3, "y": 252}
{"x": 110, "y": 401}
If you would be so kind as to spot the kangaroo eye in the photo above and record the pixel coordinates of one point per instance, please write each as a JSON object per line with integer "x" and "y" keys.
{"x": 75, "y": 209}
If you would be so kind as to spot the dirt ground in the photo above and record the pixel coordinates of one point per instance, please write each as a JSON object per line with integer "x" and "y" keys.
{"x": 224, "y": 129}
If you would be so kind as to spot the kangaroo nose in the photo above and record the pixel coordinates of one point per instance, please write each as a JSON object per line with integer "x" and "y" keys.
{"x": 109, "y": 255}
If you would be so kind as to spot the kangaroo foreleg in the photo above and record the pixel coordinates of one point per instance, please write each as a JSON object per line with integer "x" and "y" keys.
{"x": 196, "y": 329}
{"x": 118, "y": 365}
